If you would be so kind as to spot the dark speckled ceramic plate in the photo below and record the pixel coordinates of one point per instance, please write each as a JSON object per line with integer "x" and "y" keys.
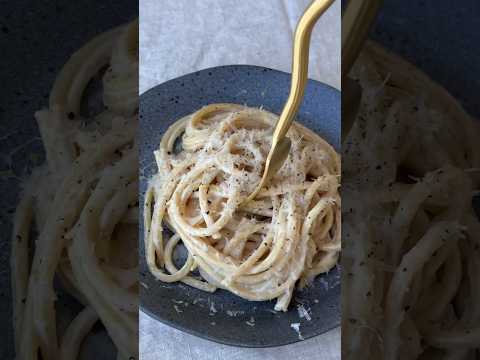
{"x": 224, "y": 317}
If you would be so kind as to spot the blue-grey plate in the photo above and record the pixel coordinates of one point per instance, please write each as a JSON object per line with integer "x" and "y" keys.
{"x": 222, "y": 316}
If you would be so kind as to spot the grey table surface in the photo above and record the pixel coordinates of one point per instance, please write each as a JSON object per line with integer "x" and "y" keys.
{"x": 183, "y": 36}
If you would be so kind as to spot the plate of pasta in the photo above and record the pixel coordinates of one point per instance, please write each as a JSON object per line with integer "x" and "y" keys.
{"x": 258, "y": 273}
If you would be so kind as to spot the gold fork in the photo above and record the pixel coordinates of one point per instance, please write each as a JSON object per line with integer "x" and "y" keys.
{"x": 301, "y": 46}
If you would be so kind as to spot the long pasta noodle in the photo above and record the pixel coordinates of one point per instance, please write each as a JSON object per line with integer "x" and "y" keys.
{"x": 260, "y": 249}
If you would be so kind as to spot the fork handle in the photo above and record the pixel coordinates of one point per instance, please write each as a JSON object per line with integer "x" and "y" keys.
{"x": 356, "y": 22}
{"x": 301, "y": 47}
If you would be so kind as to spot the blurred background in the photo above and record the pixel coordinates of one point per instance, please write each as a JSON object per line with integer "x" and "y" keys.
{"x": 37, "y": 38}
{"x": 441, "y": 38}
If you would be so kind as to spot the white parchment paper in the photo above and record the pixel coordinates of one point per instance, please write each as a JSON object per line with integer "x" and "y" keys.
{"x": 178, "y": 37}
